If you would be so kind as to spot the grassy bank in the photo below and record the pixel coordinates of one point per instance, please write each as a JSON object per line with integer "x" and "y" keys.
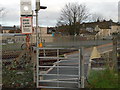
{"x": 103, "y": 79}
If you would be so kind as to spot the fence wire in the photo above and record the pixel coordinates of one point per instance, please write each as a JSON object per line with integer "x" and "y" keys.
{"x": 18, "y": 65}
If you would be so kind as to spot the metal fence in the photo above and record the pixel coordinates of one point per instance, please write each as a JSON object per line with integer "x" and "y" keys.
{"x": 55, "y": 64}
{"x": 0, "y": 64}
{"x": 49, "y": 41}
{"x": 17, "y": 64}
{"x": 57, "y": 70}
{"x": 71, "y": 41}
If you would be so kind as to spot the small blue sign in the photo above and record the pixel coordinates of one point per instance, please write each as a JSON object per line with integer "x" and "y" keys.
{"x": 53, "y": 34}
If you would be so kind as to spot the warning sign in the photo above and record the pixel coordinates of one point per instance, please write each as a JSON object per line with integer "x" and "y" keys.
{"x": 26, "y": 25}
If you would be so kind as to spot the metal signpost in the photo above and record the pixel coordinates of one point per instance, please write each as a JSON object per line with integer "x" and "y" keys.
{"x": 38, "y": 7}
{"x": 26, "y": 19}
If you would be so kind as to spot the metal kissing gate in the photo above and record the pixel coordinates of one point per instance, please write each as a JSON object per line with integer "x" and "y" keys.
{"x": 60, "y": 68}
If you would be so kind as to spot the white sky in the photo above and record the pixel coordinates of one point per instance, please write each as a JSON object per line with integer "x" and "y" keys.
{"x": 48, "y": 17}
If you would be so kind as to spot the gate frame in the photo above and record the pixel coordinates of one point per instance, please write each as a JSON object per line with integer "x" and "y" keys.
{"x": 81, "y": 77}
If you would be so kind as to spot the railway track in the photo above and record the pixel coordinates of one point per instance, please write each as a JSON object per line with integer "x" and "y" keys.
{"x": 10, "y": 54}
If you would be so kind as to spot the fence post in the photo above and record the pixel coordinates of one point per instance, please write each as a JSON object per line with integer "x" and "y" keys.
{"x": 57, "y": 67}
{"x": 0, "y": 65}
{"x": 37, "y": 48}
{"x": 82, "y": 67}
{"x": 115, "y": 53}
{"x": 79, "y": 70}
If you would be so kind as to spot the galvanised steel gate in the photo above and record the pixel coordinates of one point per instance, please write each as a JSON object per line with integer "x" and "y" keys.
{"x": 60, "y": 68}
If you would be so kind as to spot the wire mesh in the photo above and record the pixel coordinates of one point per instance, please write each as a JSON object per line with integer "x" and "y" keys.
{"x": 17, "y": 64}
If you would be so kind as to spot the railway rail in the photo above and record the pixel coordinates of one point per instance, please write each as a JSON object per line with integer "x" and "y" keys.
{"x": 10, "y": 54}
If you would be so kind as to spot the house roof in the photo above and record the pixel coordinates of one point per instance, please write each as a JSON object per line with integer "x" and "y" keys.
{"x": 9, "y": 28}
{"x": 12, "y": 34}
{"x": 102, "y": 25}
{"x": 89, "y": 28}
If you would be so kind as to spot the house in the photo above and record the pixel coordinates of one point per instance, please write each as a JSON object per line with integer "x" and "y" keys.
{"x": 11, "y": 34}
{"x": 9, "y": 29}
{"x": 88, "y": 30}
{"x": 62, "y": 30}
{"x": 93, "y": 30}
{"x": 8, "y": 38}
{"x": 89, "y": 35}
{"x": 106, "y": 29}
{"x": 46, "y": 34}
{"x": 50, "y": 30}
{"x": 100, "y": 30}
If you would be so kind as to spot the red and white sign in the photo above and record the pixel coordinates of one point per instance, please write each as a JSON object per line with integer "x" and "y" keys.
{"x": 26, "y": 25}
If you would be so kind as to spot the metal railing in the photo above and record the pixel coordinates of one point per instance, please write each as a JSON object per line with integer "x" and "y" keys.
{"x": 64, "y": 71}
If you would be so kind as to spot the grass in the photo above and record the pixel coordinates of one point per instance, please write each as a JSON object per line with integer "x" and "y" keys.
{"x": 13, "y": 80}
{"x": 18, "y": 74}
{"x": 103, "y": 79}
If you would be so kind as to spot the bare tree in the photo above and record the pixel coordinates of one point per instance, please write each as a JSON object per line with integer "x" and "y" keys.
{"x": 96, "y": 16}
{"x": 2, "y": 12}
{"x": 72, "y": 14}
{"x": 1, "y": 9}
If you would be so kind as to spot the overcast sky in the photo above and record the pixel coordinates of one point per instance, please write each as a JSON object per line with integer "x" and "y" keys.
{"x": 49, "y": 17}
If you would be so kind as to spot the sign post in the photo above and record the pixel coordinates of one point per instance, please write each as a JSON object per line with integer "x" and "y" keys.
{"x": 26, "y": 19}
{"x": 38, "y": 7}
